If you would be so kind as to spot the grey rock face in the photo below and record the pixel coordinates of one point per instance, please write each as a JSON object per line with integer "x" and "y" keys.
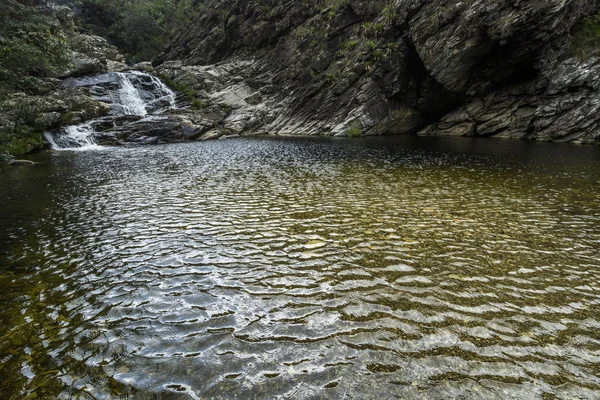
{"x": 145, "y": 66}
{"x": 566, "y": 109}
{"x": 470, "y": 68}
{"x": 470, "y": 46}
{"x": 92, "y": 55}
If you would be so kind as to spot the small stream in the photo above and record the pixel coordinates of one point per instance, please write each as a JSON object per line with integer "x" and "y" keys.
{"x": 302, "y": 268}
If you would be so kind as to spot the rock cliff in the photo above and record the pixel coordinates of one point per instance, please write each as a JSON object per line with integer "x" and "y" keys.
{"x": 498, "y": 68}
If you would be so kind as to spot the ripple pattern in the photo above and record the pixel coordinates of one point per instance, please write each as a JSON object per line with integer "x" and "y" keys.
{"x": 304, "y": 269}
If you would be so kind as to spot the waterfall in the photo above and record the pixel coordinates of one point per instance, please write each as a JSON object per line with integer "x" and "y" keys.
{"x": 75, "y": 137}
{"x": 133, "y": 97}
{"x": 129, "y": 97}
{"x": 162, "y": 91}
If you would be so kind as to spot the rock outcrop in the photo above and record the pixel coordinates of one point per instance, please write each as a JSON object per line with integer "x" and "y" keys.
{"x": 28, "y": 115}
{"x": 43, "y": 103}
{"x": 478, "y": 67}
{"x": 90, "y": 54}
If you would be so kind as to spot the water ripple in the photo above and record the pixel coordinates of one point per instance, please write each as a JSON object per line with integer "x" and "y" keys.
{"x": 303, "y": 269}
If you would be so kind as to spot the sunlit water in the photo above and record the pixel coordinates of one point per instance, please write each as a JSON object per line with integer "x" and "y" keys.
{"x": 303, "y": 269}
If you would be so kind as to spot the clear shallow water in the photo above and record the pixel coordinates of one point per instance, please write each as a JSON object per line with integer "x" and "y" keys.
{"x": 304, "y": 269}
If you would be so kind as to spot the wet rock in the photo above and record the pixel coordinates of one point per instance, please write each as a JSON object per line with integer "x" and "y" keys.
{"x": 132, "y": 129}
{"x": 24, "y": 163}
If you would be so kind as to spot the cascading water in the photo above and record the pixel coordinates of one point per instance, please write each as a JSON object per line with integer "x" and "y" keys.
{"x": 134, "y": 97}
{"x": 74, "y": 137}
{"x": 130, "y": 100}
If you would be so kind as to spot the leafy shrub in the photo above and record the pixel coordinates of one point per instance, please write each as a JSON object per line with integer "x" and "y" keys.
{"x": 586, "y": 37}
{"x": 331, "y": 77}
{"x": 31, "y": 41}
{"x": 389, "y": 13}
{"x": 354, "y": 131}
{"x": 140, "y": 27}
{"x": 191, "y": 94}
{"x": 198, "y": 104}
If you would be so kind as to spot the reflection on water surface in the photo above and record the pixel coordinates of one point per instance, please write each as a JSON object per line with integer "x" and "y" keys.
{"x": 303, "y": 268}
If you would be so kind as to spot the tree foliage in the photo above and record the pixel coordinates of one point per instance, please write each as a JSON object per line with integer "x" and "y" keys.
{"x": 586, "y": 37}
{"x": 32, "y": 42}
{"x": 140, "y": 27}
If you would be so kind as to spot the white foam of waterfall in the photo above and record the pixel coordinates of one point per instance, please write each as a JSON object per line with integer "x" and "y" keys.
{"x": 129, "y": 97}
{"x": 144, "y": 100}
{"x": 163, "y": 91}
{"x": 75, "y": 137}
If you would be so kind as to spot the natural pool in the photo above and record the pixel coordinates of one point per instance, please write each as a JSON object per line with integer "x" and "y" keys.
{"x": 303, "y": 268}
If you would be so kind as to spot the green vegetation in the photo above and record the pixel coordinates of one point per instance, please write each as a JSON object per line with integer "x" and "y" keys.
{"x": 191, "y": 94}
{"x": 333, "y": 6}
{"x": 586, "y": 37}
{"x": 140, "y": 28}
{"x": 19, "y": 141}
{"x": 32, "y": 42}
{"x": 389, "y": 13}
{"x": 354, "y": 131}
{"x": 331, "y": 77}
{"x": 22, "y": 133}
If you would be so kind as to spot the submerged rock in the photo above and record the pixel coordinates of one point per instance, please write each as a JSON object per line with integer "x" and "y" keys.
{"x": 21, "y": 163}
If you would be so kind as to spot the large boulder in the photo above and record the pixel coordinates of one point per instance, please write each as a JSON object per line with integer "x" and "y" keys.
{"x": 93, "y": 55}
{"x": 52, "y": 109}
